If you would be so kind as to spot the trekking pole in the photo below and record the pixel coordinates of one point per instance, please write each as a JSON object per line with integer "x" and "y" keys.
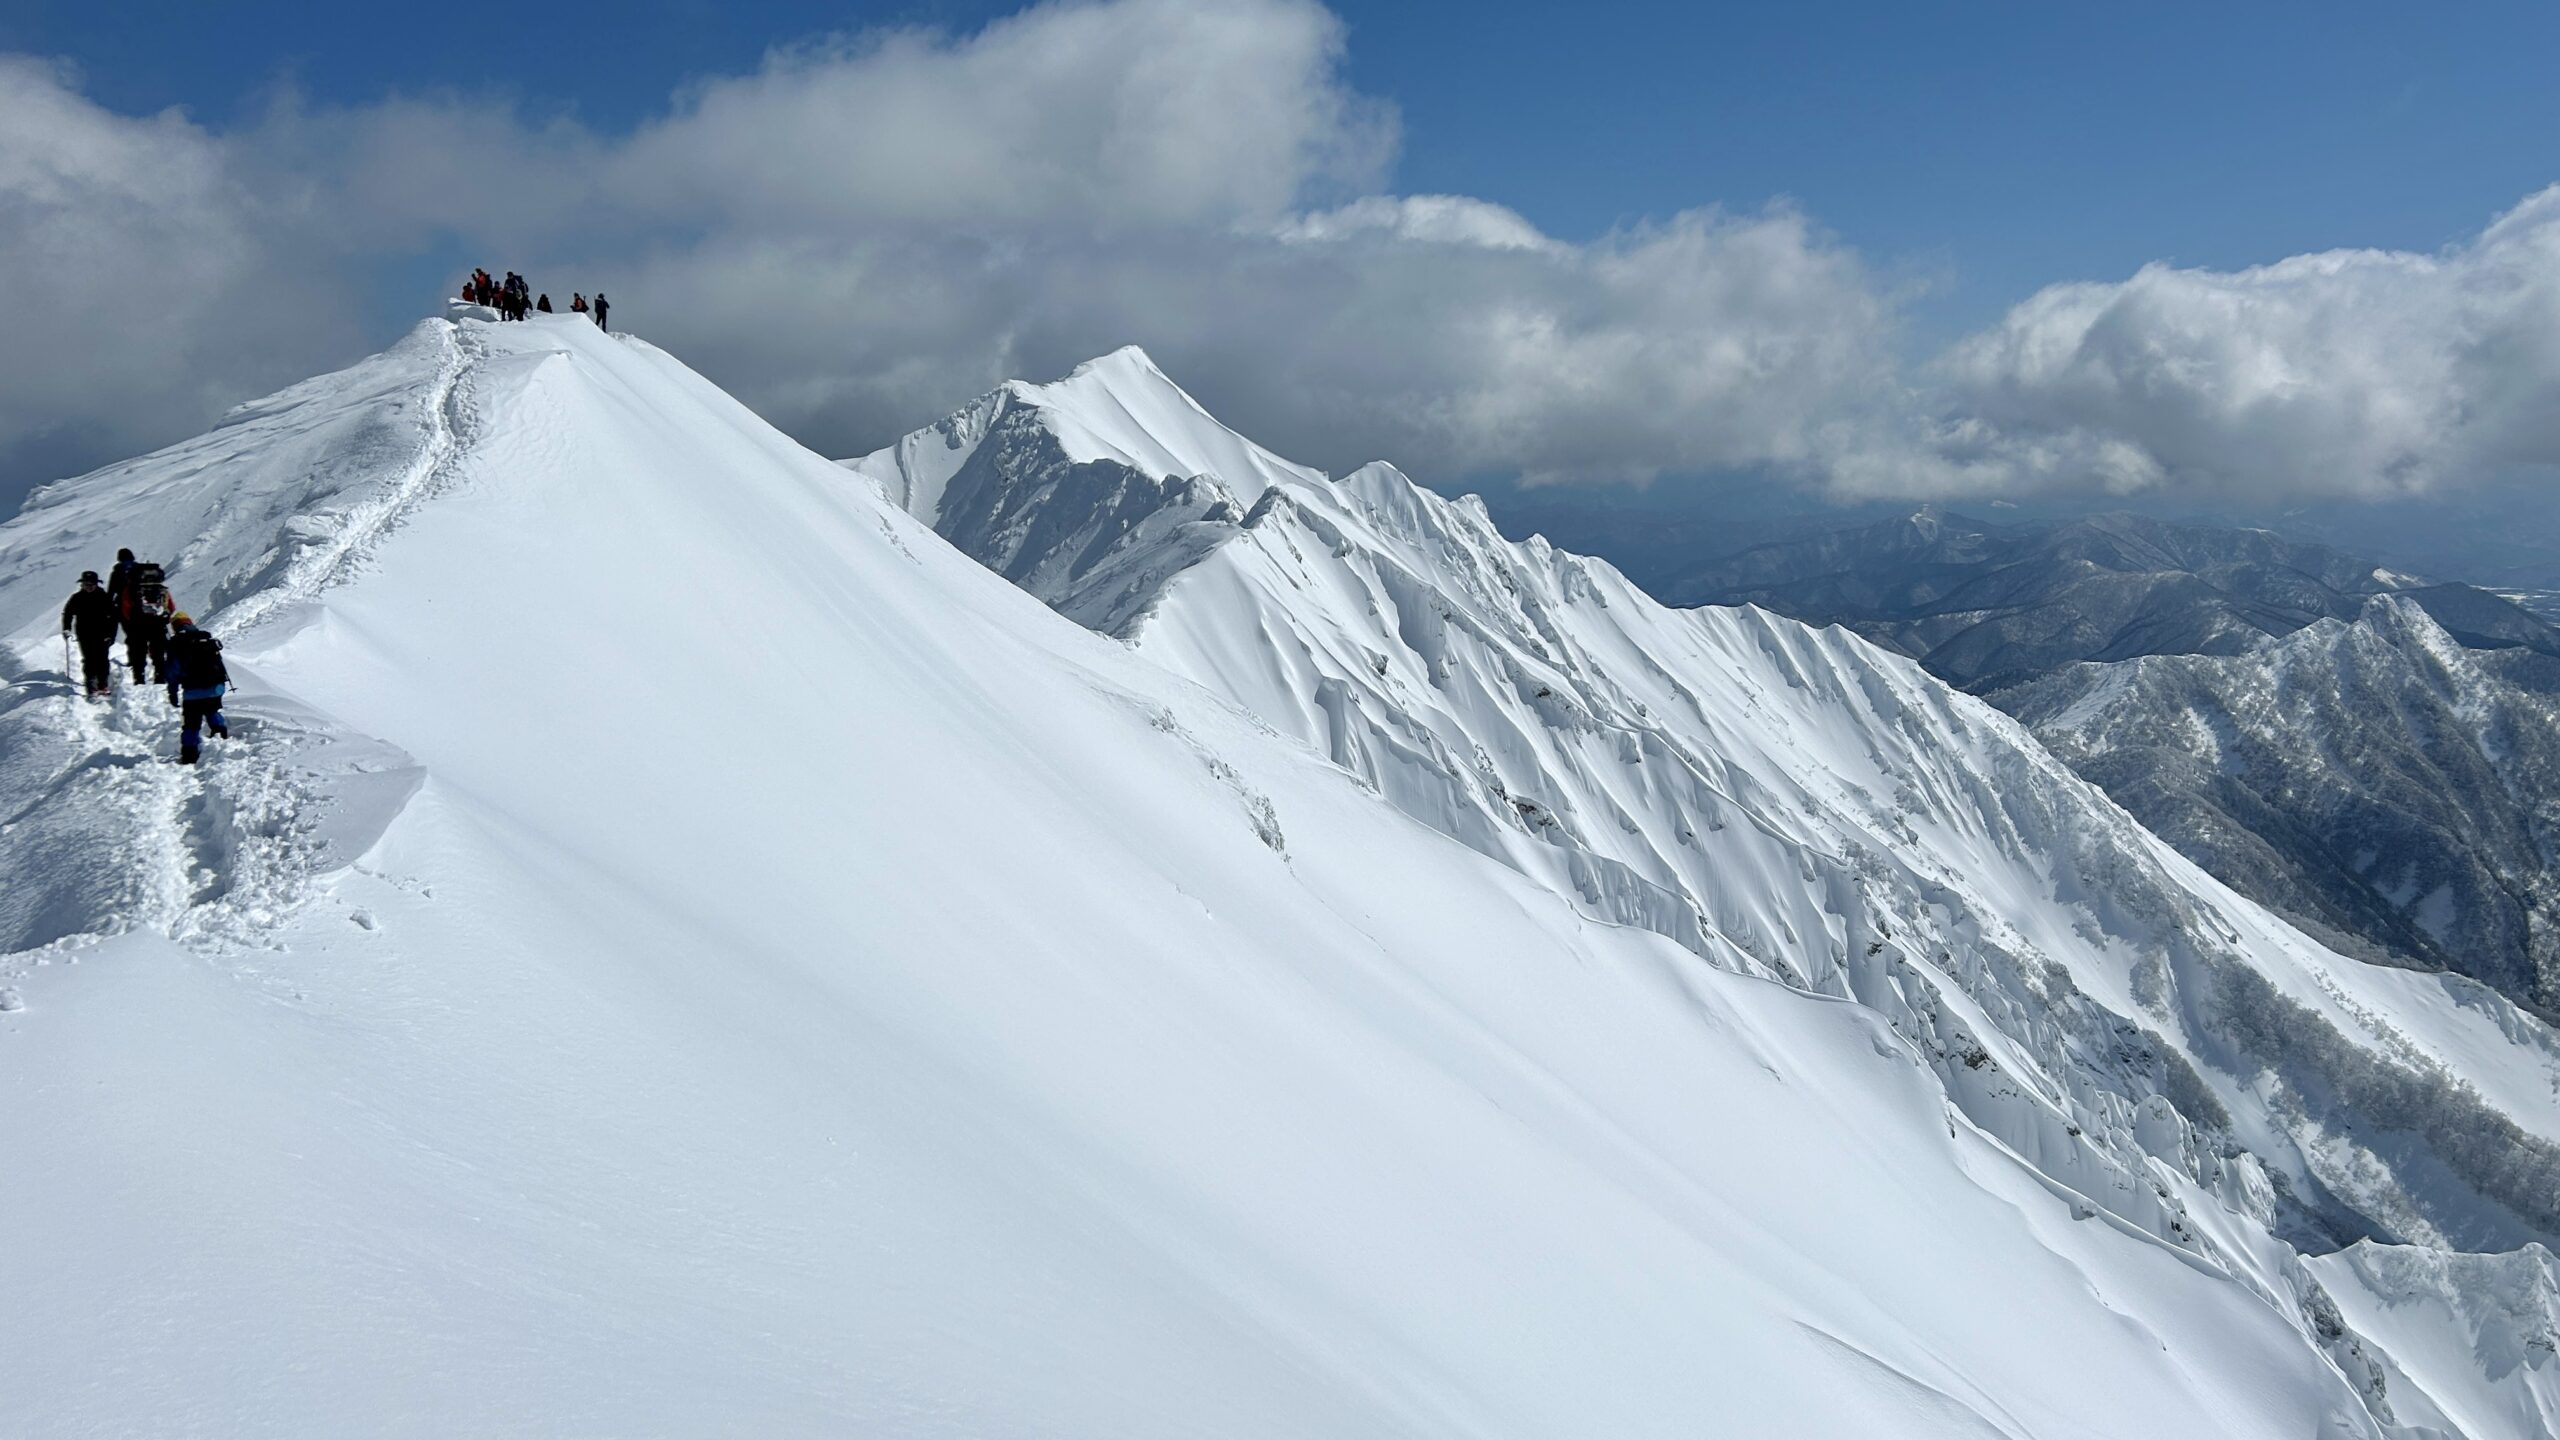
{"x": 66, "y": 657}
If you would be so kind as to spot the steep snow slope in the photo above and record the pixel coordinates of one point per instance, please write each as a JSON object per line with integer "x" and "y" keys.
{"x": 2473, "y": 1340}
{"x": 1797, "y": 804}
{"x": 676, "y": 949}
{"x": 1085, "y": 492}
{"x": 2374, "y": 778}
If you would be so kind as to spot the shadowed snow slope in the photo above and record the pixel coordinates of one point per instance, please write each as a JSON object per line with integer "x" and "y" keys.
{"x": 1798, "y": 805}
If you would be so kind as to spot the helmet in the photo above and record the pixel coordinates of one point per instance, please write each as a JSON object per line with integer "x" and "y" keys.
{"x": 182, "y": 618}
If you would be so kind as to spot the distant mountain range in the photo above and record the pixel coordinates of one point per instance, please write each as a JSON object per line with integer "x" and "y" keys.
{"x": 2371, "y": 779}
{"x": 2369, "y": 752}
{"x": 1985, "y": 606}
{"x": 2545, "y": 603}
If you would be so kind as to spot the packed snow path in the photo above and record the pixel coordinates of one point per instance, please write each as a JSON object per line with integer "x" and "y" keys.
{"x": 103, "y": 834}
{"x": 817, "y": 990}
{"x": 106, "y": 834}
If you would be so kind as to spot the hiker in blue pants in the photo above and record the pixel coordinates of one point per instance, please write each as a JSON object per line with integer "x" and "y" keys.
{"x": 196, "y": 680}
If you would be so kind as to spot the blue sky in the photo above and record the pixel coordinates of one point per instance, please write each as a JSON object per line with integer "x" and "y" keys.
{"x": 1830, "y": 246}
{"x": 1990, "y": 148}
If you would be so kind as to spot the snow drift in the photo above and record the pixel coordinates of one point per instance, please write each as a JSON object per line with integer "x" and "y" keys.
{"x": 677, "y": 948}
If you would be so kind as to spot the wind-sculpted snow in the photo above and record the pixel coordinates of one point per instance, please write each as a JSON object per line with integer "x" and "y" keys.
{"x": 2374, "y": 779}
{"x": 2473, "y": 1341}
{"x": 1796, "y": 804}
{"x": 270, "y": 504}
{"x": 772, "y": 975}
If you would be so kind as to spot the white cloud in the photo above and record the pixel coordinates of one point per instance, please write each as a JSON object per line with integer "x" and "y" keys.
{"x": 1711, "y": 341}
{"x": 147, "y": 280}
{"x": 1138, "y": 112}
{"x": 1429, "y": 219}
{"x": 866, "y": 231}
{"x": 2353, "y": 372}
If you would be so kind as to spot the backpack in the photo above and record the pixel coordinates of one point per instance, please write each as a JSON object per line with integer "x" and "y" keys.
{"x": 145, "y": 586}
{"x": 199, "y": 659}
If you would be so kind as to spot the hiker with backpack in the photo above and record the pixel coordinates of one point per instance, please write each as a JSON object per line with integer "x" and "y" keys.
{"x": 120, "y": 579}
{"x": 577, "y": 303}
{"x": 92, "y": 616}
{"x": 600, "y": 309}
{"x": 197, "y": 680}
{"x": 144, "y": 613}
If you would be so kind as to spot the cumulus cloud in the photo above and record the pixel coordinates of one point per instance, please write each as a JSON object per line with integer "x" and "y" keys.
{"x": 148, "y": 278}
{"x": 867, "y": 230}
{"x": 2353, "y": 372}
{"x": 1431, "y": 219}
{"x": 1110, "y": 116}
{"x": 1709, "y": 341}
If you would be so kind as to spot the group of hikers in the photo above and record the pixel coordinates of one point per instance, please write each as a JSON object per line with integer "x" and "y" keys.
{"x": 161, "y": 642}
{"x": 509, "y": 297}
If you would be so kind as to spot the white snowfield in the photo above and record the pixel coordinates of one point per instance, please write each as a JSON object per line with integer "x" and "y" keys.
{"x": 676, "y": 948}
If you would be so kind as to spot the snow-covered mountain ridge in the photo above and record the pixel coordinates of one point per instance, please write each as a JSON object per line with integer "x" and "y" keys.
{"x": 1794, "y": 804}
{"x": 2373, "y": 777}
{"x": 675, "y": 948}
{"x": 1784, "y": 801}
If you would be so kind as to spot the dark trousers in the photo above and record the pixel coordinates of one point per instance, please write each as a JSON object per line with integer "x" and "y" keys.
{"x": 146, "y": 647}
{"x": 201, "y": 713}
{"x": 97, "y": 661}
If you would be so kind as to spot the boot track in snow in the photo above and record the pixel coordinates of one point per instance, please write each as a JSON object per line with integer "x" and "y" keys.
{"x": 216, "y": 856}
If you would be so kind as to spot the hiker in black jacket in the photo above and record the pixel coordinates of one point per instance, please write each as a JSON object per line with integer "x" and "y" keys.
{"x": 144, "y": 611}
{"x": 92, "y": 616}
